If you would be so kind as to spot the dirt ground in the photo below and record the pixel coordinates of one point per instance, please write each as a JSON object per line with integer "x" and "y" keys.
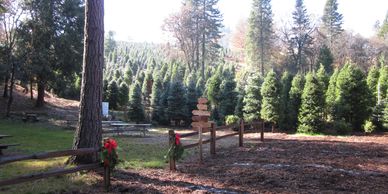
{"x": 282, "y": 164}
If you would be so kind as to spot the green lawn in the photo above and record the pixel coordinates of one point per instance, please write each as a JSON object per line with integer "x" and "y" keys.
{"x": 40, "y": 137}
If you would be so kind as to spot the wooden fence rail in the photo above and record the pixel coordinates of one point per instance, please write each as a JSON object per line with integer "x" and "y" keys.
{"x": 54, "y": 172}
{"x": 213, "y": 138}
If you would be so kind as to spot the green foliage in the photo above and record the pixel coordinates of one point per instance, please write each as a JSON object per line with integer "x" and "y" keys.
{"x": 325, "y": 58}
{"x": 135, "y": 106}
{"x": 213, "y": 88}
{"x": 332, "y": 20}
{"x": 331, "y": 97}
{"x": 383, "y": 82}
{"x": 353, "y": 96}
{"x": 323, "y": 78}
{"x": 385, "y": 113}
{"x": 113, "y": 95}
{"x": 260, "y": 34}
{"x": 128, "y": 76}
{"x": 252, "y": 98}
{"x": 369, "y": 127}
{"x": 228, "y": 97}
{"x": 285, "y": 82}
{"x": 310, "y": 113}
{"x": 383, "y": 30}
{"x": 123, "y": 95}
{"x": 191, "y": 99}
{"x": 231, "y": 119}
{"x": 295, "y": 101}
{"x": 176, "y": 100}
{"x": 110, "y": 43}
{"x": 156, "y": 108}
{"x": 372, "y": 81}
{"x": 342, "y": 127}
{"x": 105, "y": 92}
{"x": 270, "y": 91}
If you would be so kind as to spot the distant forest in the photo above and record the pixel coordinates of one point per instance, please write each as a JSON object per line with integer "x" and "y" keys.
{"x": 306, "y": 76}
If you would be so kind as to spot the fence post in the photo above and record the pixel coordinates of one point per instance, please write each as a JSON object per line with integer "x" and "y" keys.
{"x": 241, "y": 134}
{"x": 171, "y": 138}
{"x": 262, "y": 132}
{"x": 213, "y": 140}
{"x": 106, "y": 177}
{"x": 200, "y": 144}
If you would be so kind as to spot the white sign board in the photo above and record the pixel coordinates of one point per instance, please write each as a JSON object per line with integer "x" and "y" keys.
{"x": 105, "y": 109}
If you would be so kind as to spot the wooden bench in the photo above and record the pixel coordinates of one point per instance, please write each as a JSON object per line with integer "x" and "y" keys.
{"x": 30, "y": 116}
{"x": 5, "y": 146}
{"x": 126, "y": 127}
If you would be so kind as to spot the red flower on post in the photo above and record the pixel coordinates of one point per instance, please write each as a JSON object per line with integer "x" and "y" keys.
{"x": 109, "y": 155}
{"x": 177, "y": 139}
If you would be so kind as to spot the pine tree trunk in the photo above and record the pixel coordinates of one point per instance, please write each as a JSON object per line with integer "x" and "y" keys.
{"x": 273, "y": 127}
{"x": 203, "y": 39}
{"x": 31, "y": 92}
{"x": 89, "y": 130}
{"x": 6, "y": 80}
{"x": 10, "y": 99}
{"x": 40, "y": 98}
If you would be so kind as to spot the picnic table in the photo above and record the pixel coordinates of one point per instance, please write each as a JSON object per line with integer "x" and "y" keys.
{"x": 5, "y": 146}
{"x": 30, "y": 116}
{"x": 123, "y": 127}
{"x": 3, "y": 136}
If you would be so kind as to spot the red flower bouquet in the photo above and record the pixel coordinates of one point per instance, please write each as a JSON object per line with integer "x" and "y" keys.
{"x": 109, "y": 154}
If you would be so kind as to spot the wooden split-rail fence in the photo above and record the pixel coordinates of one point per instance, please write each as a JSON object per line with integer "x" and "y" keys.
{"x": 55, "y": 172}
{"x": 255, "y": 125}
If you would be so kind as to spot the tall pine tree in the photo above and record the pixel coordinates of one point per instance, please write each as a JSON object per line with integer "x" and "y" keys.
{"x": 260, "y": 34}
{"x": 135, "y": 106}
{"x": 332, "y": 21}
{"x": 310, "y": 113}
{"x": 252, "y": 98}
{"x": 296, "y": 91}
{"x": 270, "y": 91}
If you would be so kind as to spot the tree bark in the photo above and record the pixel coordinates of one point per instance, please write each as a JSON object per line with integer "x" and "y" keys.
{"x": 31, "y": 92}
{"x": 40, "y": 98}
{"x": 6, "y": 80}
{"x": 89, "y": 130}
{"x": 10, "y": 99}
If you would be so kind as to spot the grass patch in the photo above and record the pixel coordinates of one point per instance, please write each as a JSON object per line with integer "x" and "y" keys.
{"x": 41, "y": 137}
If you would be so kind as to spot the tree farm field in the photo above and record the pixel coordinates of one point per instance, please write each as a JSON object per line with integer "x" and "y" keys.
{"x": 283, "y": 163}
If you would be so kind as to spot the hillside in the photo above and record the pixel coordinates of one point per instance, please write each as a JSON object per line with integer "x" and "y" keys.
{"x": 55, "y": 107}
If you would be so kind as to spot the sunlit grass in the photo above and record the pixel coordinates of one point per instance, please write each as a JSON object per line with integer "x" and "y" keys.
{"x": 42, "y": 137}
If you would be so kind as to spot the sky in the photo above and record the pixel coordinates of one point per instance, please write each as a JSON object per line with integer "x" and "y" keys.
{"x": 141, "y": 20}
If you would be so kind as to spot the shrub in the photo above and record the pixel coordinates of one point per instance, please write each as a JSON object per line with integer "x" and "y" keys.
{"x": 231, "y": 119}
{"x": 369, "y": 127}
{"x": 342, "y": 127}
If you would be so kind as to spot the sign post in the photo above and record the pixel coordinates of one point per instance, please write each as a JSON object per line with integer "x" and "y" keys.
{"x": 201, "y": 122}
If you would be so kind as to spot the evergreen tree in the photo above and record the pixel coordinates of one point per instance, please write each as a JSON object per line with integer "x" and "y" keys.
{"x": 213, "y": 88}
{"x": 323, "y": 78}
{"x": 228, "y": 97}
{"x": 135, "y": 106}
{"x": 331, "y": 97}
{"x": 128, "y": 76}
{"x": 353, "y": 96}
{"x": 260, "y": 34}
{"x": 383, "y": 83}
{"x": 296, "y": 91}
{"x": 123, "y": 95}
{"x": 372, "y": 81}
{"x": 105, "y": 92}
{"x": 252, "y": 98}
{"x": 300, "y": 39}
{"x": 191, "y": 100}
{"x": 325, "y": 58}
{"x": 176, "y": 100}
{"x": 113, "y": 95}
{"x": 285, "y": 82}
{"x": 163, "y": 104}
{"x": 156, "y": 96}
{"x": 270, "y": 91}
{"x": 310, "y": 119}
{"x": 385, "y": 113}
{"x": 332, "y": 21}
